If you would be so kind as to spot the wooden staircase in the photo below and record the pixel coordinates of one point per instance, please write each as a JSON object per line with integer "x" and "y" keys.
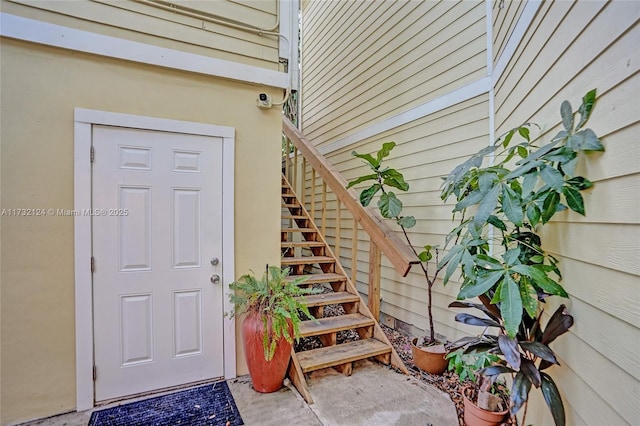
{"x": 306, "y": 252}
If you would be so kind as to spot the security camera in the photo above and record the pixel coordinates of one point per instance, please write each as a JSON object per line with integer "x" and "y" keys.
{"x": 264, "y": 101}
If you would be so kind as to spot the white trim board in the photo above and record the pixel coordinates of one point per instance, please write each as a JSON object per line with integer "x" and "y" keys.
{"x": 31, "y": 30}
{"x": 83, "y": 122}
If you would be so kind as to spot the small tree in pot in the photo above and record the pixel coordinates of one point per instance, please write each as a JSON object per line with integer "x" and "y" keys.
{"x": 432, "y": 359}
{"x": 520, "y": 190}
{"x": 272, "y": 305}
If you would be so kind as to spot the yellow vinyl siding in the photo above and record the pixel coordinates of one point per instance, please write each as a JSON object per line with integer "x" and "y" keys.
{"x": 505, "y": 18}
{"x": 400, "y": 55}
{"x": 571, "y": 48}
{"x": 140, "y": 22}
{"x": 369, "y": 66}
{"x": 424, "y": 154}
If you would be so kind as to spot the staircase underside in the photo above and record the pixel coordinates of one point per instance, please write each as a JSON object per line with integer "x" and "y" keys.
{"x": 306, "y": 252}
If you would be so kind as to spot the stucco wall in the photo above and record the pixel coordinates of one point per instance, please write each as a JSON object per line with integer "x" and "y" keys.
{"x": 40, "y": 88}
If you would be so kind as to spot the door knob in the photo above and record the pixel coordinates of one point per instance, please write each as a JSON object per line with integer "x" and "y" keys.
{"x": 215, "y": 261}
{"x": 215, "y": 278}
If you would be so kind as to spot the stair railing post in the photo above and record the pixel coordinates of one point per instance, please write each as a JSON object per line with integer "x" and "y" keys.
{"x": 373, "y": 299}
{"x": 313, "y": 194}
{"x": 338, "y": 229}
{"x": 287, "y": 160}
{"x": 324, "y": 208}
{"x": 303, "y": 182}
{"x": 354, "y": 253}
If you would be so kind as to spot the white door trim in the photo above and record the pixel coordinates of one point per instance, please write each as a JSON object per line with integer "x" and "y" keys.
{"x": 83, "y": 122}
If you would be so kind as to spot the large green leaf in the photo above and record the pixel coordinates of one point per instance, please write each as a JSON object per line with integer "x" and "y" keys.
{"x": 588, "y": 101}
{"x": 553, "y": 399}
{"x": 567, "y": 115}
{"x": 394, "y": 178}
{"x": 529, "y": 183}
{"x": 469, "y": 200}
{"x": 590, "y": 141}
{"x": 528, "y": 165}
{"x": 533, "y": 213}
{"x": 511, "y": 205}
{"x": 362, "y": 179}
{"x": 487, "y": 206}
{"x": 510, "y": 306}
{"x": 368, "y": 158}
{"x": 407, "y": 221}
{"x": 579, "y": 183}
{"x": 481, "y": 285}
{"x": 385, "y": 150}
{"x": 367, "y": 194}
{"x": 574, "y": 199}
{"x": 495, "y": 221}
{"x": 552, "y": 177}
{"x": 389, "y": 205}
{"x": 550, "y": 206}
{"x": 529, "y": 297}
{"x": 453, "y": 259}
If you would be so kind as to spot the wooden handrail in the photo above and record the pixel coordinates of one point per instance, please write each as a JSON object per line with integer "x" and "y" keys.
{"x": 394, "y": 248}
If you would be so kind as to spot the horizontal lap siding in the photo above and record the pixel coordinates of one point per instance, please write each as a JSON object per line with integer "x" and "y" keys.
{"x": 505, "y": 17}
{"x": 569, "y": 49}
{"x": 427, "y": 150}
{"x": 147, "y": 24}
{"x": 367, "y": 61}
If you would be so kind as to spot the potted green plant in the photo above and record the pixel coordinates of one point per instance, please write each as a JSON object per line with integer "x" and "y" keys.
{"x": 272, "y": 305}
{"x": 428, "y": 355}
{"x": 524, "y": 357}
{"x": 497, "y": 245}
{"x": 485, "y": 399}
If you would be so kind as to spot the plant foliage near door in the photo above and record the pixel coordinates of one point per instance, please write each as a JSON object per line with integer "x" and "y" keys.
{"x": 276, "y": 300}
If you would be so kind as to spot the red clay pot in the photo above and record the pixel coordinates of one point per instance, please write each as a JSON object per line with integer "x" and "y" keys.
{"x": 430, "y": 359}
{"x": 476, "y": 416}
{"x": 267, "y": 376}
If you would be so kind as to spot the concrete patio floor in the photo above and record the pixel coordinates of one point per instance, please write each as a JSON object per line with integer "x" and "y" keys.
{"x": 373, "y": 395}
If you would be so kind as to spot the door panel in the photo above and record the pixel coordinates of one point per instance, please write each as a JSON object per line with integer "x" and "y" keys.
{"x": 157, "y": 219}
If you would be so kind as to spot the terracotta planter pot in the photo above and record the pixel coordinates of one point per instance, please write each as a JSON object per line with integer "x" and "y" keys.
{"x": 267, "y": 376}
{"x": 430, "y": 358}
{"x": 476, "y": 416}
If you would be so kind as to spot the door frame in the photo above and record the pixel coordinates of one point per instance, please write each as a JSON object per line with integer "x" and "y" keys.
{"x": 84, "y": 120}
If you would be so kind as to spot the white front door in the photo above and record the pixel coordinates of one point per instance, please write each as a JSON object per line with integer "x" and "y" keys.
{"x": 157, "y": 226}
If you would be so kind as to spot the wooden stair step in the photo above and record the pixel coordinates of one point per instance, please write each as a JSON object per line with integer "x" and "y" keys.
{"x": 328, "y": 325}
{"x": 298, "y": 230}
{"x": 304, "y": 244}
{"x": 291, "y": 206}
{"x": 319, "y": 278}
{"x": 306, "y": 260}
{"x": 286, "y": 195}
{"x": 332, "y": 298}
{"x": 331, "y": 356}
{"x": 294, "y": 216}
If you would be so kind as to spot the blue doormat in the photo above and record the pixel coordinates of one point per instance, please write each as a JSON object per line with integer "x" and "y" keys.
{"x": 210, "y": 405}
